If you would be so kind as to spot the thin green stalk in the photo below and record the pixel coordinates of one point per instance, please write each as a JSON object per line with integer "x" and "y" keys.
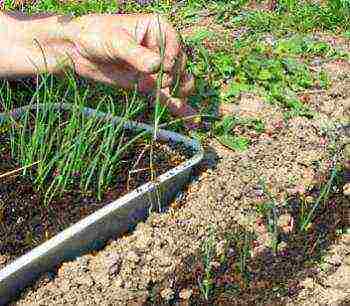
{"x": 305, "y": 223}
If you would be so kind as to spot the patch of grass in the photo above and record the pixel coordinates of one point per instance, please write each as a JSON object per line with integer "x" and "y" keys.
{"x": 66, "y": 148}
{"x": 306, "y": 46}
{"x": 198, "y": 36}
{"x": 76, "y": 8}
{"x": 241, "y": 241}
{"x": 297, "y": 16}
{"x": 279, "y": 77}
{"x": 244, "y": 251}
{"x": 276, "y": 73}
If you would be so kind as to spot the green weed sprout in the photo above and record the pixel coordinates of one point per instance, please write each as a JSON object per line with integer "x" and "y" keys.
{"x": 270, "y": 211}
{"x": 305, "y": 220}
{"x": 208, "y": 253}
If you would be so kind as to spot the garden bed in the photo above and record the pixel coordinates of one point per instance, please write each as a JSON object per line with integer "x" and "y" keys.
{"x": 284, "y": 89}
{"x": 148, "y": 168}
{"x": 26, "y": 222}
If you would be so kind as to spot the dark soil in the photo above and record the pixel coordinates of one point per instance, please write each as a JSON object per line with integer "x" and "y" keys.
{"x": 26, "y": 222}
{"x": 267, "y": 271}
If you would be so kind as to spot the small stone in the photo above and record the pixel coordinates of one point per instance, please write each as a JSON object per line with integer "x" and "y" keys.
{"x": 133, "y": 257}
{"x": 85, "y": 280}
{"x": 102, "y": 278}
{"x": 309, "y": 199}
{"x": 282, "y": 246}
{"x": 165, "y": 261}
{"x": 231, "y": 252}
{"x": 215, "y": 264}
{"x": 220, "y": 248}
{"x": 308, "y": 177}
{"x": 258, "y": 250}
{"x": 347, "y": 260}
{"x": 268, "y": 240}
{"x": 144, "y": 237}
{"x": 297, "y": 190}
{"x": 346, "y": 239}
{"x": 113, "y": 264}
{"x": 44, "y": 279}
{"x": 118, "y": 282}
{"x": 185, "y": 294}
{"x": 286, "y": 222}
{"x": 167, "y": 294}
{"x": 83, "y": 263}
{"x": 65, "y": 285}
{"x": 3, "y": 259}
{"x": 334, "y": 260}
{"x": 346, "y": 189}
{"x": 308, "y": 283}
{"x": 327, "y": 108}
{"x": 260, "y": 227}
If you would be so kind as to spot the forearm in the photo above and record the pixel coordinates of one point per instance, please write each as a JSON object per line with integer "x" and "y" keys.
{"x": 32, "y": 45}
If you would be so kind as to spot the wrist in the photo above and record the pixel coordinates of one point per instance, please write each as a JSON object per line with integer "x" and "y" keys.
{"x": 38, "y": 41}
{"x": 45, "y": 28}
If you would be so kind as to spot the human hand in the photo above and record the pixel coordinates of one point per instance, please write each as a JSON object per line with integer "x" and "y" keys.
{"x": 122, "y": 50}
{"x": 125, "y": 50}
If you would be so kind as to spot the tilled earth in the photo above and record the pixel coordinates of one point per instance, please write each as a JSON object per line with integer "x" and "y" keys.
{"x": 26, "y": 222}
{"x": 148, "y": 265}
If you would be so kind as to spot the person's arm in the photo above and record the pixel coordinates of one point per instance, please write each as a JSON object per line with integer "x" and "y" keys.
{"x": 44, "y": 41}
{"x": 32, "y": 45}
{"x": 117, "y": 49}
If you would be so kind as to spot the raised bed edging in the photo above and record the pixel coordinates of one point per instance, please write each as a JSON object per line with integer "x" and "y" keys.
{"x": 114, "y": 219}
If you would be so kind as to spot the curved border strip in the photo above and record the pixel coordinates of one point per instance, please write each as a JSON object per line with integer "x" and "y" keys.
{"x": 114, "y": 219}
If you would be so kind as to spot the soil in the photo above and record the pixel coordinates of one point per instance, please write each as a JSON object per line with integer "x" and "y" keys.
{"x": 26, "y": 222}
{"x": 161, "y": 261}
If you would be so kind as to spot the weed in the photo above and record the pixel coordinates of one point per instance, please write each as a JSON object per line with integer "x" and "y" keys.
{"x": 241, "y": 241}
{"x": 208, "y": 252}
{"x": 269, "y": 211}
{"x": 224, "y": 131}
{"x": 306, "y": 217}
{"x": 244, "y": 253}
{"x": 67, "y": 7}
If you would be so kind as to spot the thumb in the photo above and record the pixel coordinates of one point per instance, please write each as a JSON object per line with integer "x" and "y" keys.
{"x": 136, "y": 55}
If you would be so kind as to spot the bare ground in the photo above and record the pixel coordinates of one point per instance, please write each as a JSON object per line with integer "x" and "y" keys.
{"x": 135, "y": 268}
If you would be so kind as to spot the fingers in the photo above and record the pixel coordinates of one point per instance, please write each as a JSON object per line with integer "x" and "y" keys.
{"x": 179, "y": 108}
{"x": 136, "y": 55}
{"x": 112, "y": 38}
{"x": 119, "y": 76}
{"x": 172, "y": 49}
{"x": 178, "y": 71}
{"x": 180, "y": 63}
{"x": 128, "y": 78}
{"x": 186, "y": 86}
{"x": 161, "y": 35}
{"x": 148, "y": 82}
